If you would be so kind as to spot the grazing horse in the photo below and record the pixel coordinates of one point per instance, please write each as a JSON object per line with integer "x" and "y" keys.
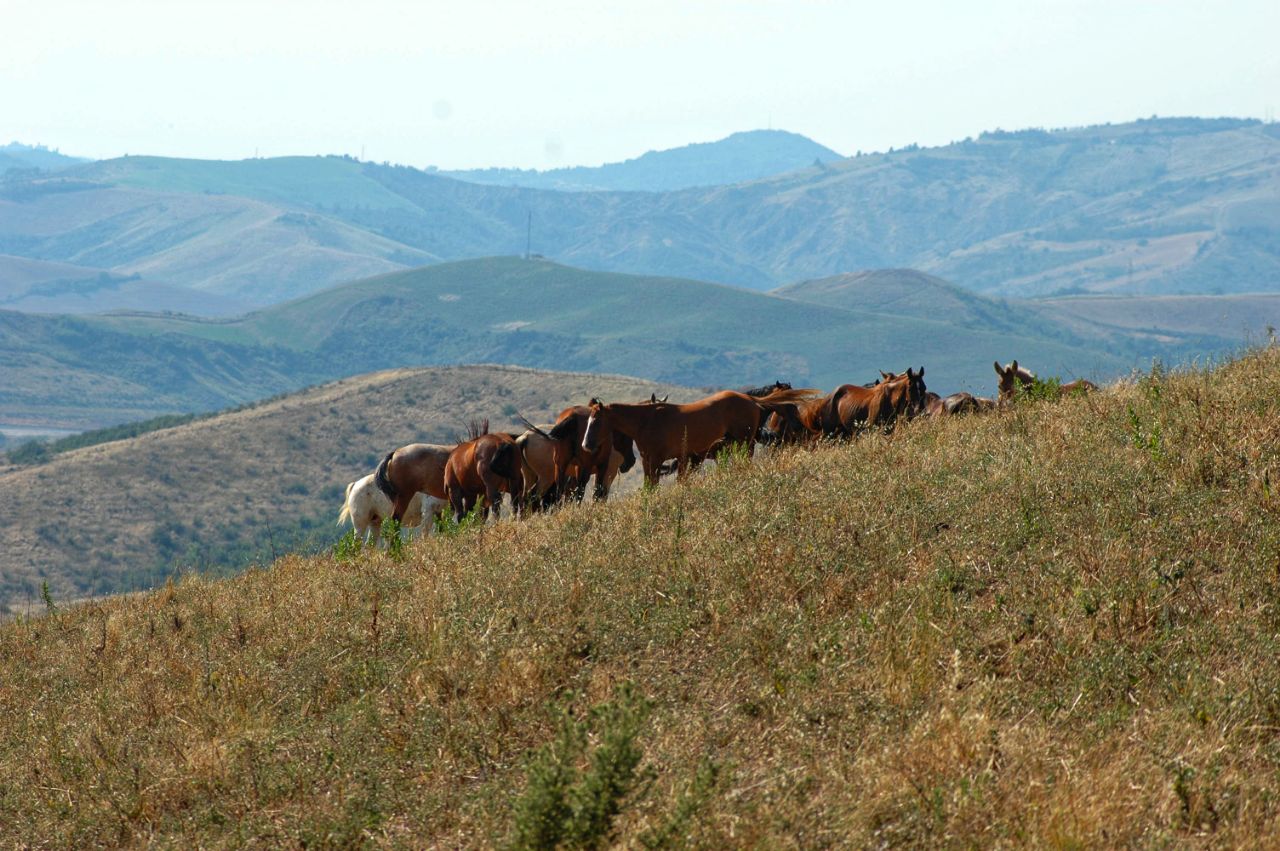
{"x": 662, "y": 432}
{"x": 367, "y": 506}
{"x": 484, "y": 467}
{"x": 956, "y": 404}
{"x": 1013, "y": 376}
{"x": 418, "y": 467}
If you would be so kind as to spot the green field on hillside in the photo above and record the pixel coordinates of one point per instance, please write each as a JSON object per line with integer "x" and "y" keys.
{"x": 508, "y": 310}
{"x": 1055, "y": 626}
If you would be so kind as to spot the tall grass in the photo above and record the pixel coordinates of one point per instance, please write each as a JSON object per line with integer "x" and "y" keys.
{"x": 1027, "y": 629}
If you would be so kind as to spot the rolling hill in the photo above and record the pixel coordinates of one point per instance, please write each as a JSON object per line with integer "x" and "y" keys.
{"x": 739, "y": 158}
{"x": 245, "y": 485}
{"x": 504, "y": 310}
{"x": 1161, "y": 206}
{"x": 16, "y": 156}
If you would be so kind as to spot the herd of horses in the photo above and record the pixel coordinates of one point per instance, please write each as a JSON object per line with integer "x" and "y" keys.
{"x": 546, "y": 464}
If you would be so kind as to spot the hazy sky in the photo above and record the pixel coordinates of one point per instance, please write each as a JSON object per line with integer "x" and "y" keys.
{"x": 543, "y": 84}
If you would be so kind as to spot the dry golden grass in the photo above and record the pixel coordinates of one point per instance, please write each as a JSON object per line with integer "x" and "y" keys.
{"x": 220, "y": 492}
{"x": 1056, "y": 626}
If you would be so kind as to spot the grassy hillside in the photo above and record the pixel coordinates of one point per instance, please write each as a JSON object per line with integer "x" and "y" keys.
{"x": 220, "y": 492}
{"x": 1051, "y": 627}
{"x": 738, "y": 158}
{"x": 907, "y": 292}
{"x": 1236, "y": 317}
{"x": 506, "y": 310}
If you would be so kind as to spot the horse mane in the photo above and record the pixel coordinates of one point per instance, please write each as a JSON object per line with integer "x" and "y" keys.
{"x": 477, "y": 428}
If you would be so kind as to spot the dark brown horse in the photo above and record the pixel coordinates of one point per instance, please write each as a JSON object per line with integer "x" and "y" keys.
{"x": 663, "y": 432}
{"x": 410, "y": 469}
{"x": 485, "y": 467}
{"x": 1013, "y": 377}
{"x": 580, "y": 464}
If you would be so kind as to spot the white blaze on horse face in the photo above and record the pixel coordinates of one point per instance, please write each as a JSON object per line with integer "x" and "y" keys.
{"x": 589, "y": 432}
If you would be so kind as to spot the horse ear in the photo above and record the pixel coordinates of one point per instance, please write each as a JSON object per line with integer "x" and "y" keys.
{"x": 885, "y": 375}
{"x": 999, "y": 371}
{"x": 920, "y": 374}
{"x": 1013, "y": 367}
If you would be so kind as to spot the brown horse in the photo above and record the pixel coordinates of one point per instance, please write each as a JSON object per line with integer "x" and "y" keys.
{"x": 852, "y": 408}
{"x": 956, "y": 404}
{"x": 1013, "y": 376}
{"x": 662, "y": 432}
{"x": 581, "y": 464}
{"x": 487, "y": 467}
{"x": 418, "y": 467}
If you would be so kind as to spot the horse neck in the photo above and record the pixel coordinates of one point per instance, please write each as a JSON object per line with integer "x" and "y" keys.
{"x": 630, "y": 419}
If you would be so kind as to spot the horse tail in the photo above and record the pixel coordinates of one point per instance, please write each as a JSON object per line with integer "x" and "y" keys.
{"x": 502, "y": 463}
{"x": 383, "y": 481}
{"x": 345, "y": 514}
{"x": 531, "y": 427}
{"x": 772, "y": 401}
{"x": 777, "y": 401}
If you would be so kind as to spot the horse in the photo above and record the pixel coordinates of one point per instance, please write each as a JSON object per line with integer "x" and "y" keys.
{"x": 956, "y": 404}
{"x": 1011, "y": 376}
{"x": 545, "y": 462}
{"x": 366, "y": 506}
{"x": 581, "y": 464}
{"x": 484, "y": 467}
{"x": 418, "y": 467}
{"x": 662, "y": 432}
{"x": 851, "y": 408}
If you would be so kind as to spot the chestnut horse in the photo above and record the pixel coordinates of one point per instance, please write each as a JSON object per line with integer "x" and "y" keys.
{"x": 956, "y": 404}
{"x": 851, "y": 408}
{"x": 1013, "y": 376}
{"x": 410, "y": 469}
{"x": 484, "y": 467}
{"x": 662, "y": 432}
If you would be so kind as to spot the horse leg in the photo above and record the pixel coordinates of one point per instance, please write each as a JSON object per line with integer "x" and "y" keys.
{"x": 602, "y": 480}
{"x": 651, "y": 471}
{"x": 457, "y": 502}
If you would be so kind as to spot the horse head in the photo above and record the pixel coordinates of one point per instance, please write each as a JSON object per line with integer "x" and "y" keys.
{"x": 1011, "y": 376}
{"x": 916, "y": 392}
{"x": 596, "y": 420}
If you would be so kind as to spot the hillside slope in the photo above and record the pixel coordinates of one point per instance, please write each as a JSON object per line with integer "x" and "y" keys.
{"x": 501, "y": 310}
{"x": 246, "y": 484}
{"x": 1051, "y": 627}
{"x": 737, "y": 158}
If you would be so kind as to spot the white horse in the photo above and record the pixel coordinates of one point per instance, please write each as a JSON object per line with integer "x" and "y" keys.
{"x": 367, "y": 506}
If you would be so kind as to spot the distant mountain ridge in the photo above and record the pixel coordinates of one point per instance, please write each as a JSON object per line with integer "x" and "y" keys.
{"x": 17, "y": 156}
{"x": 1162, "y": 206}
{"x": 738, "y": 158}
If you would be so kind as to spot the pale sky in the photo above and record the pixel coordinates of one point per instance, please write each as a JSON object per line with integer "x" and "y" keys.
{"x": 546, "y": 83}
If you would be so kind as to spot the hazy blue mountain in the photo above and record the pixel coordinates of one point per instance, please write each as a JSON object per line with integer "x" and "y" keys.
{"x": 738, "y": 158}
{"x": 1164, "y": 206}
{"x": 17, "y": 156}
